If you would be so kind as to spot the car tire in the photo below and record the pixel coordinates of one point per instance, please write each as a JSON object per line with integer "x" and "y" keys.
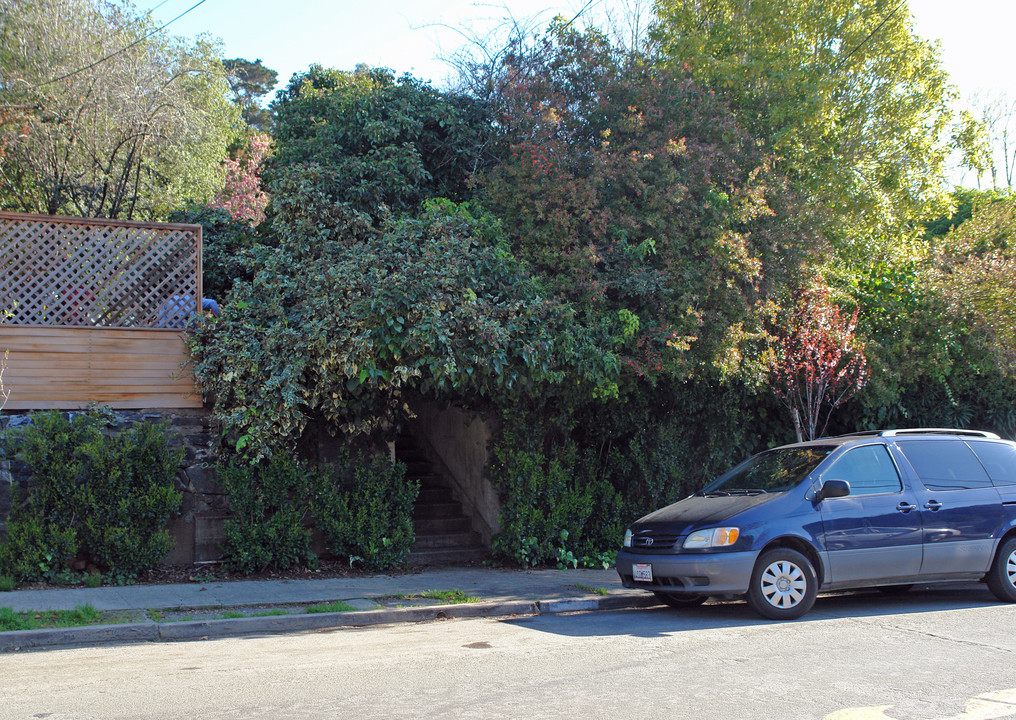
{"x": 680, "y": 600}
{"x": 1002, "y": 576}
{"x": 783, "y": 585}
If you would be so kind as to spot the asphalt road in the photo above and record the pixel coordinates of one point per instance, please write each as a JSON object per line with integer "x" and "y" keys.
{"x": 930, "y": 655}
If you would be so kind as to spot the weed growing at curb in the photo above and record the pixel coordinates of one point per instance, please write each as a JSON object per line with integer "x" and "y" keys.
{"x": 337, "y": 606}
{"x": 31, "y": 620}
{"x": 591, "y": 589}
{"x": 448, "y": 597}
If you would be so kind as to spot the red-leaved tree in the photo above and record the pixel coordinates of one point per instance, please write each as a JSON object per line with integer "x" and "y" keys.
{"x": 819, "y": 363}
{"x": 242, "y": 197}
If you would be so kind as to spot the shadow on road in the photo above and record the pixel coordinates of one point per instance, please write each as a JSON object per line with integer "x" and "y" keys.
{"x": 662, "y": 621}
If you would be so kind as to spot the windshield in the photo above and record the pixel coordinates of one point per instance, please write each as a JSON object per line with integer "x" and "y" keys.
{"x": 771, "y": 471}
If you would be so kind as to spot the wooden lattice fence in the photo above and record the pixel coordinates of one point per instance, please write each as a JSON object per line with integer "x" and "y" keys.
{"x": 92, "y": 311}
{"x": 74, "y": 272}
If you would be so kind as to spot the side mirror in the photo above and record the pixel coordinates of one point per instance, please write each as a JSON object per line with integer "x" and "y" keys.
{"x": 833, "y": 489}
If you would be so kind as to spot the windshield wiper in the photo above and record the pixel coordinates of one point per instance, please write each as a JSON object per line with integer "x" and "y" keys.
{"x": 712, "y": 493}
{"x": 747, "y": 491}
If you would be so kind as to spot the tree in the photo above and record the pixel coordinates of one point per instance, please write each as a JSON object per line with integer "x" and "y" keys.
{"x": 974, "y": 270}
{"x": 104, "y": 116}
{"x": 819, "y": 363}
{"x": 348, "y": 333}
{"x": 639, "y": 197}
{"x": 250, "y": 82}
{"x": 852, "y": 102}
{"x": 363, "y": 144}
{"x": 993, "y": 118}
{"x": 242, "y": 197}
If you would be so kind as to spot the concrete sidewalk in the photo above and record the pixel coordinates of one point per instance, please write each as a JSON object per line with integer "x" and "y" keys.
{"x": 498, "y": 592}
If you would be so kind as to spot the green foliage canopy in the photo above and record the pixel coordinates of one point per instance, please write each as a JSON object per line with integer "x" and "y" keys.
{"x": 345, "y": 331}
{"x": 102, "y": 116}
{"x": 854, "y": 104}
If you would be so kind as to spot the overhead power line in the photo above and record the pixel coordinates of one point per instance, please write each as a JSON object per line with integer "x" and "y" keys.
{"x": 870, "y": 35}
{"x": 123, "y": 49}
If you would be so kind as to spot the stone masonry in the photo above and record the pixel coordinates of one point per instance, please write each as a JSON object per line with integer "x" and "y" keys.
{"x": 197, "y": 527}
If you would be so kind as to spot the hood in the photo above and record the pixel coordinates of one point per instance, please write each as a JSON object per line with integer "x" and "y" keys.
{"x": 700, "y": 511}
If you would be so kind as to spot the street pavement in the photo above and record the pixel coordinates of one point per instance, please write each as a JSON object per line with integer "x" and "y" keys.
{"x": 497, "y": 592}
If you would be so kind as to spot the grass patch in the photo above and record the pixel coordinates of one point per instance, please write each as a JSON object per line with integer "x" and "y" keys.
{"x": 32, "y": 620}
{"x": 231, "y": 615}
{"x": 270, "y": 613}
{"x": 591, "y": 589}
{"x": 448, "y": 597}
{"x": 7, "y": 583}
{"x": 337, "y": 606}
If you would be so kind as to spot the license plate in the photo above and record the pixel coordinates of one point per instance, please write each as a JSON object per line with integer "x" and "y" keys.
{"x": 642, "y": 572}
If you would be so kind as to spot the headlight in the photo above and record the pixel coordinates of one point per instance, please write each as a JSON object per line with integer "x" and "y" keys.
{"x": 627, "y": 537}
{"x": 714, "y": 537}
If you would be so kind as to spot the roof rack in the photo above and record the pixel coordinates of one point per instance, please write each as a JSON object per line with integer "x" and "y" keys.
{"x": 931, "y": 431}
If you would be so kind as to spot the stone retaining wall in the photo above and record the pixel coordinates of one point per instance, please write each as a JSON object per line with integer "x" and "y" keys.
{"x": 197, "y": 528}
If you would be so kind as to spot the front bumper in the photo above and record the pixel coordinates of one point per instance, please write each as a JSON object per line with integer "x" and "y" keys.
{"x": 720, "y": 573}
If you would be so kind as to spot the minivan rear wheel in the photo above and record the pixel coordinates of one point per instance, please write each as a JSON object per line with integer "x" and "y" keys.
{"x": 783, "y": 585}
{"x": 1002, "y": 576}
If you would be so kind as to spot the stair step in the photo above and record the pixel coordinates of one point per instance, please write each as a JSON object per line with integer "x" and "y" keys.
{"x": 448, "y": 556}
{"x": 446, "y": 540}
{"x": 429, "y": 480}
{"x": 434, "y": 494}
{"x": 437, "y": 510}
{"x": 433, "y": 526}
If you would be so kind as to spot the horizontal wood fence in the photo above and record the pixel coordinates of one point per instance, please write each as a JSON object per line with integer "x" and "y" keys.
{"x": 94, "y": 311}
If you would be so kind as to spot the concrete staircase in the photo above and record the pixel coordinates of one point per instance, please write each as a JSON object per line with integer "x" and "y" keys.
{"x": 444, "y": 534}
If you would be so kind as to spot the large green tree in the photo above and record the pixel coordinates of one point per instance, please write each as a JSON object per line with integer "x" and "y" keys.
{"x": 104, "y": 116}
{"x": 363, "y": 144}
{"x": 250, "y": 82}
{"x": 643, "y": 200}
{"x": 851, "y": 100}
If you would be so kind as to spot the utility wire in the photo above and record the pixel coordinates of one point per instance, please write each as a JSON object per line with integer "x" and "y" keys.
{"x": 870, "y": 35}
{"x": 123, "y": 49}
{"x": 580, "y": 12}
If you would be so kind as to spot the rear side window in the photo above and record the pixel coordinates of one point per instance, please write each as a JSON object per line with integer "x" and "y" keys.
{"x": 999, "y": 459}
{"x": 869, "y": 470}
{"x": 945, "y": 464}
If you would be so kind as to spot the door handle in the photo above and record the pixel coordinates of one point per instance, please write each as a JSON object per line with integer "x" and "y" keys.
{"x": 905, "y": 507}
{"x": 932, "y": 505}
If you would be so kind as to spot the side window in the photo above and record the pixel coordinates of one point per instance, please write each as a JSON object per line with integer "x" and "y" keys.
{"x": 868, "y": 469}
{"x": 944, "y": 464}
{"x": 999, "y": 459}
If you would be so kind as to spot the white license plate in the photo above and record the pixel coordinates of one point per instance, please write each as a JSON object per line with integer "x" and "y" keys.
{"x": 642, "y": 572}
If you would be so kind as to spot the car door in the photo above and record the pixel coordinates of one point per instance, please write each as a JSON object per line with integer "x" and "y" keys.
{"x": 873, "y": 534}
{"x": 961, "y": 508}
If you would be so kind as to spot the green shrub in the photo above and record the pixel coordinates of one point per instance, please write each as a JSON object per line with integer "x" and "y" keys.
{"x": 371, "y": 519}
{"x": 552, "y": 511}
{"x": 368, "y": 519}
{"x": 104, "y": 497}
{"x": 270, "y": 504}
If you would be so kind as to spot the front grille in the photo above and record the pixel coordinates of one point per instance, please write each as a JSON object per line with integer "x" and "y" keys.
{"x": 650, "y": 541}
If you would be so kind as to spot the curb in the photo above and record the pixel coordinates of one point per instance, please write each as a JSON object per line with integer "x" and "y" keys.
{"x": 151, "y": 632}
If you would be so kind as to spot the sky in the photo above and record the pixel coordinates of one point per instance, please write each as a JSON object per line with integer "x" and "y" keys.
{"x": 411, "y": 35}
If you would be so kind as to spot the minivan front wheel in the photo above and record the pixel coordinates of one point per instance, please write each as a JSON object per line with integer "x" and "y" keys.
{"x": 1002, "y": 576}
{"x": 783, "y": 585}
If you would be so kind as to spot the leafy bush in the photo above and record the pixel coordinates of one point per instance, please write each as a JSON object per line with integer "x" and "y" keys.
{"x": 270, "y": 505}
{"x": 552, "y": 511}
{"x": 106, "y": 497}
{"x": 371, "y": 519}
{"x": 368, "y": 519}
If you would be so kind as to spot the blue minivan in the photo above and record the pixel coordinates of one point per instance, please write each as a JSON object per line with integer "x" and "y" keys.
{"x": 884, "y": 509}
